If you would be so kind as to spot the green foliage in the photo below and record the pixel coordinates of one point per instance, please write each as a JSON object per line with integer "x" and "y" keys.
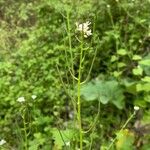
{"x": 104, "y": 91}
{"x": 62, "y": 137}
{"x": 125, "y": 140}
{"x": 39, "y": 46}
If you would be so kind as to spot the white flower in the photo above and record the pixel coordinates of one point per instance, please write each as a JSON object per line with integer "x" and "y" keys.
{"x": 2, "y": 142}
{"x": 34, "y": 97}
{"x": 140, "y": 41}
{"x": 84, "y": 27}
{"x": 108, "y": 6}
{"x": 21, "y": 99}
{"x": 67, "y": 143}
{"x": 136, "y": 108}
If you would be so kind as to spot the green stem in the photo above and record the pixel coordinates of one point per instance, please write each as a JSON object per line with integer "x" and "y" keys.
{"x": 71, "y": 57}
{"x": 79, "y": 99}
{"x": 25, "y": 132}
{"x": 111, "y": 18}
{"x": 70, "y": 42}
{"x": 111, "y": 144}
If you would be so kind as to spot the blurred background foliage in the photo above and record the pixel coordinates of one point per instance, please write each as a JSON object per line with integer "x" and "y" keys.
{"x": 34, "y": 44}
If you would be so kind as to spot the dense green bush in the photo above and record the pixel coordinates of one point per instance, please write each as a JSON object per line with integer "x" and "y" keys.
{"x": 40, "y": 55}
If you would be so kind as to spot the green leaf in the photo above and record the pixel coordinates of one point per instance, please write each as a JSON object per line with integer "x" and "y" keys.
{"x": 104, "y": 91}
{"x": 89, "y": 91}
{"x": 113, "y": 58}
{"x": 62, "y": 137}
{"x": 138, "y": 71}
{"x": 147, "y": 97}
{"x": 125, "y": 140}
{"x": 139, "y": 101}
{"x": 136, "y": 57}
{"x": 34, "y": 144}
{"x": 122, "y": 52}
{"x": 38, "y": 140}
{"x": 117, "y": 73}
{"x": 121, "y": 64}
{"x": 143, "y": 87}
{"x": 130, "y": 86}
{"x": 146, "y": 79}
{"x": 145, "y": 62}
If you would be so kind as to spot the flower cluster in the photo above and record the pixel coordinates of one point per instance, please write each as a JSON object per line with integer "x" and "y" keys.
{"x": 21, "y": 99}
{"x": 84, "y": 27}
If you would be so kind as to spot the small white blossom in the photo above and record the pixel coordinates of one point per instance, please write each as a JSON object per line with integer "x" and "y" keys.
{"x": 136, "y": 108}
{"x": 21, "y": 99}
{"x": 140, "y": 41}
{"x": 67, "y": 143}
{"x": 2, "y": 142}
{"x": 84, "y": 27}
{"x": 34, "y": 97}
{"x": 108, "y": 6}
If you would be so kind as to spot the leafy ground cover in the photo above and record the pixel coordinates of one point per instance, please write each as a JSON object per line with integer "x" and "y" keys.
{"x": 74, "y": 75}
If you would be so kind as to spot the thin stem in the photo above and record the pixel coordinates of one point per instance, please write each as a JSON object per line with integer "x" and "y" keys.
{"x": 62, "y": 137}
{"x": 111, "y": 144}
{"x": 131, "y": 16}
{"x": 64, "y": 86}
{"x": 68, "y": 93}
{"x": 116, "y": 39}
{"x": 25, "y": 132}
{"x": 70, "y": 42}
{"x": 79, "y": 99}
{"x": 91, "y": 67}
{"x": 95, "y": 120}
{"x": 111, "y": 18}
{"x": 72, "y": 72}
